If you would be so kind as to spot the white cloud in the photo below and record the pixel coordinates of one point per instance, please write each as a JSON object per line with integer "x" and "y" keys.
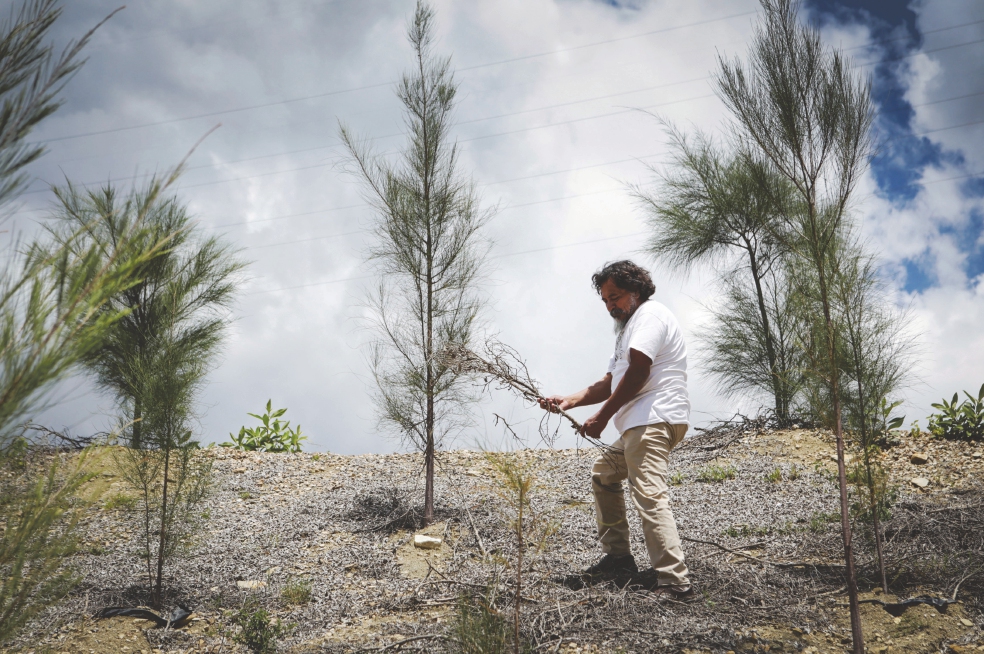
{"x": 300, "y": 346}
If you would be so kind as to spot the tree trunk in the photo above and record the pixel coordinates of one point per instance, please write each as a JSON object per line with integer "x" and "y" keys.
{"x": 135, "y": 428}
{"x": 157, "y": 599}
{"x": 429, "y": 308}
{"x": 878, "y": 541}
{"x": 519, "y": 570}
{"x": 852, "y": 582}
{"x": 782, "y": 412}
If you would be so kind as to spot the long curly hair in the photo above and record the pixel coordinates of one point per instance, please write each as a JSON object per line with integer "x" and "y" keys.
{"x": 627, "y": 276}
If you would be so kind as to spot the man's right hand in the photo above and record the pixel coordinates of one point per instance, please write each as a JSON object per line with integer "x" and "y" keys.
{"x": 555, "y": 402}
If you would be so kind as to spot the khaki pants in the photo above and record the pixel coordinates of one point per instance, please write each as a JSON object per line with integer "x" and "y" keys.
{"x": 640, "y": 456}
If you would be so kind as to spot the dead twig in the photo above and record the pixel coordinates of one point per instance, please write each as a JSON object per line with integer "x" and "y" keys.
{"x": 401, "y": 643}
{"x": 778, "y": 564}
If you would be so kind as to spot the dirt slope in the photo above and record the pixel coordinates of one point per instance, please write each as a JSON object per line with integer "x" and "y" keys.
{"x": 345, "y": 525}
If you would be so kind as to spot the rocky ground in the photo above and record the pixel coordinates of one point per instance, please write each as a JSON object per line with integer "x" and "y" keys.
{"x": 757, "y": 509}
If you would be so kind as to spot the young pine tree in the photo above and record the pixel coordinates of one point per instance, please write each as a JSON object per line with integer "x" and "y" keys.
{"x": 429, "y": 253}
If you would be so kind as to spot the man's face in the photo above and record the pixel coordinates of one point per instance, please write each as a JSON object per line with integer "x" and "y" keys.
{"x": 621, "y": 304}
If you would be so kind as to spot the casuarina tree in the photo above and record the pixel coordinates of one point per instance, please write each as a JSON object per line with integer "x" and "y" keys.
{"x": 428, "y": 253}
{"x": 155, "y": 358}
{"x": 709, "y": 209}
{"x": 51, "y": 317}
{"x": 802, "y": 114}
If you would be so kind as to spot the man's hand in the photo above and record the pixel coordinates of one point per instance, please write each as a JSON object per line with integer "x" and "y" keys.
{"x": 594, "y": 425}
{"x": 555, "y": 402}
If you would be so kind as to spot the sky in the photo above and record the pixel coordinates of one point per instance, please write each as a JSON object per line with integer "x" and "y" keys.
{"x": 555, "y": 119}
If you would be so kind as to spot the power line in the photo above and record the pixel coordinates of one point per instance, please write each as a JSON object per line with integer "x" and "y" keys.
{"x": 498, "y": 256}
{"x": 212, "y": 114}
{"x": 264, "y": 105}
{"x": 364, "y": 231}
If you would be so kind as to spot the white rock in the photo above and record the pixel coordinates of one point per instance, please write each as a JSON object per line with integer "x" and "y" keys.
{"x": 251, "y": 584}
{"x": 426, "y": 542}
{"x": 920, "y": 482}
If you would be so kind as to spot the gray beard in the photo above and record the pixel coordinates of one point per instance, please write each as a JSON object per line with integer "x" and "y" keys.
{"x": 618, "y": 326}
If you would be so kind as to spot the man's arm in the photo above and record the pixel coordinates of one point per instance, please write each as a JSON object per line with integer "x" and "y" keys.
{"x": 633, "y": 381}
{"x": 597, "y": 392}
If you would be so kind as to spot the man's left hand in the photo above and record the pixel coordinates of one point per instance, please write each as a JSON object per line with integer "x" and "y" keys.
{"x": 594, "y": 425}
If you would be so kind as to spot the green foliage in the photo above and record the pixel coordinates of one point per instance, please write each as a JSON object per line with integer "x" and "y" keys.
{"x": 155, "y": 357}
{"x": 52, "y": 315}
{"x": 820, "y": 521}
{"x": 775, "y": 476}
{"x": 120, "y": 502}
{"x": 794, "y": 472}
{"x": 479, "y": 629}
{"x": 257, "y": 632}
{"x": 245, "y": 495}
{"x": 173, "y": 318}
{"x": 532, "y": 528}
{"x": 269, "y": 436}
{"x": 712, "y": 210}
{"x": 677, "y": 478}
{"x": 39, "y": 514}
{"x": 170, "y": 483}
{"x": 964, "y": 421}
{"x": 296, "y": 592}
{"x": 716, "y": 473}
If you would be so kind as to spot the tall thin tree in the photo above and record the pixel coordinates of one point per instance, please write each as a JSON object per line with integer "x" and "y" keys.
{"x": 709, "y": 209}
{"x": 801, "y": 113}
{"x": 429, "y": 253}
{"x": 155, "y": 358}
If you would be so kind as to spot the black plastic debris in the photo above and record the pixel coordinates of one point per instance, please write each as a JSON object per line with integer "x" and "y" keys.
{"x": 179, "y": 617}
{"x": 898, "y": 608}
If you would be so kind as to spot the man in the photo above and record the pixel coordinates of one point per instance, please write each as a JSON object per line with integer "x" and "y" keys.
{"x": 651, "y": 409}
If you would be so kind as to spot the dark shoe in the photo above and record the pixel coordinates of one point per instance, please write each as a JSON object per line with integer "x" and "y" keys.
{"x": 611, "y": 565}
{"x": 676, "y": 593}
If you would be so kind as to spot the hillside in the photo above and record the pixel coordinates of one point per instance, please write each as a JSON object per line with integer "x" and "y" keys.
{"x": 765, "y": 554}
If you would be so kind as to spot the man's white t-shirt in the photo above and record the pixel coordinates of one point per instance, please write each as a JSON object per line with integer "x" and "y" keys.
{"x": 654, "y": 331}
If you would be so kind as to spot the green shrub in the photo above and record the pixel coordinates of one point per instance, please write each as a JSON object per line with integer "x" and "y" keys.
{"x": 775, "y": 476}
{"x": 963, "y": 422}
{"x": 819, "y": 521}
{"x": 677, "y": 479}
{"x": 716, "y": 473}
{"x": 296, "y": 592}
{"x": 271, "y": 436}
{"x": 119, "y": 501}
{"x": 480, "y": 629}
{"x": 257, "y": 632}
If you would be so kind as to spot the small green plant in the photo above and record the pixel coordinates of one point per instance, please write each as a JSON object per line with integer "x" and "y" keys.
{"x": 121, "y": 502}
{"x": 245, "y": 495}
{"x": 963, "y": 422}
{"x": 677, "y": 479}
{"x": 794, "y": 472}
{"x": 270, "y": 436}
{"x": 775, "y": 476}
{"x": 296, "y": 592}
{"x": 315, "y": 457}
{"x": 819, "y": 521}
{"x": 257, "y": 632}
{"x": 479, "y": 628}
{"x": 516, "y": 480}
{"x": 716, "y": 473}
